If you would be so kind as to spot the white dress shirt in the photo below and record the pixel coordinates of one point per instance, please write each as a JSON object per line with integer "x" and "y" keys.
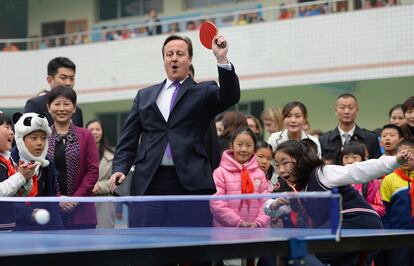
{"x": 343, "y": 134}
{"x": 164, "y": 103}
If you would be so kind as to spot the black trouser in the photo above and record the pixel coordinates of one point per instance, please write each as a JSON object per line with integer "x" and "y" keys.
{"x": 170, "y": 213}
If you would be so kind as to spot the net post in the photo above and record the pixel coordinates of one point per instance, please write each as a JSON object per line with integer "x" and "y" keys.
{"x": 335, "y": 212}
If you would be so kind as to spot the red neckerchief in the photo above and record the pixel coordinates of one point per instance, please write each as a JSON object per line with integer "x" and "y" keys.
{"x": 11, "y": 170}
{"x": 405, "y": 177}
{"x": 247, "y": 184}
{"x": 34, "y": 191}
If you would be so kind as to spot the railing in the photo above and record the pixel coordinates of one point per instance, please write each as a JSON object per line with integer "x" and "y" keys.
{"x": 225, "y": 19}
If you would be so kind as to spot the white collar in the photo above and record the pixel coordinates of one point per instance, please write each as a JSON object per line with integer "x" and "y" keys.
{"x": 284, "y": 135}
{"x": 169, "y": 82}
{"x": 350, "y": 133}
{"x": 6, "y": 154}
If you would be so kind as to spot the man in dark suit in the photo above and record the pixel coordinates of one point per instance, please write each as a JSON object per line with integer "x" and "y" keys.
{"x": 346, "y": 110}
{"x": 60, "y": 71}
{"x": 170, "y": 158}
{"x": 195, "y": 105}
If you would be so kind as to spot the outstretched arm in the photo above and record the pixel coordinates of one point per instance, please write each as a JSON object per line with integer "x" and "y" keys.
{"x": 332, "y": 176}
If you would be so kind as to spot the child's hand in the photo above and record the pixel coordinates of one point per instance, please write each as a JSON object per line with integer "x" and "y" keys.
{"x": 26, "y": 169}
{"x": 245, "y": 224}
{"x": 254, "y": 225}
{"x": 276, "y": 204}
{"x": 248, "y": 225}
{"x": 404, "y": 156}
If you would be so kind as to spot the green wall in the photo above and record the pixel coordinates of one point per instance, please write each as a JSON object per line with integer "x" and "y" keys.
{"x": 90, "y": 110}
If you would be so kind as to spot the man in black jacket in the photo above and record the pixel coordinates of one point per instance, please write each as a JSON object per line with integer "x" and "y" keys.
{"x": 60, "y": 71}
{"x": 346, "y": 110}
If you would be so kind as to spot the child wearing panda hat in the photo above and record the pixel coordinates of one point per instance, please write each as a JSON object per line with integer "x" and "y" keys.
{"x": 31, "y": 135}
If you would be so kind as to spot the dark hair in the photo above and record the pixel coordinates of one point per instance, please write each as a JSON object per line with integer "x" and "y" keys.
{"x": 312, "y": 145}
{"x": 289, "y": 106}
{"x": 256, "y": 121}
{"x": 395, "y": 107}
{"x": 347, "y": 95}
{"x": 354, "y": 147}
{"x": 218, "y": 117}
{"x": 58, "y": 62}
{"x": 392, "y": 126}
{"x": 408, "y": 104}
{"x": 406, "y": 142}
{"x": 264, "y": 145}
{"x": 231, "y": 121}
{"x": 152, "y": 9}
{"x": 306, "y": 160}
{"x": 184, "y": 39}
{"x": 243, "y": 130}
{"x": 4, "y": 119}
{"x": 332, "y": 156}
{"x": 103, "y": 142}
{"x": 192, "y": 71}
{"x": 63, "y": 91}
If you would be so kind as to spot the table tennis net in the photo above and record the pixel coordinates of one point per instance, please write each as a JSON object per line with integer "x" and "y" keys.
{"x": 312, "y": 210}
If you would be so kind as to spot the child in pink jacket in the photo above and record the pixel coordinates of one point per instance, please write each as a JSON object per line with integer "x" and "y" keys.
{"x": 239, "y": 173}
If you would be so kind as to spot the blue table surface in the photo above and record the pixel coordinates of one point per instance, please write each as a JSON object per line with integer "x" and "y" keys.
{"x": 47, "y": 242}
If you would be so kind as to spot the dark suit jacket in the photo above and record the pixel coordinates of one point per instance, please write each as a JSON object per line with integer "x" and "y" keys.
{"x": 211, "y": 143}
{"x": 39, "y": 105}
{"x": 331, "y": 142}
{"x": 195, "y": 106}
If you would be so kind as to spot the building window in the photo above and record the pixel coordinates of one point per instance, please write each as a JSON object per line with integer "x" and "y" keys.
{"x": 113, "y": 124}
{"x": 249, "y": 108}
{"x": 114, "y": 9}
{"x": 108, "y": 9}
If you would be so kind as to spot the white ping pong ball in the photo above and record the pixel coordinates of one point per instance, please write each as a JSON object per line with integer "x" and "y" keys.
{"x": 42, "y": 216}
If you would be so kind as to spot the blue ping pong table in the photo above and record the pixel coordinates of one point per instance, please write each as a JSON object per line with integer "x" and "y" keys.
{"x": 149, "y": 246}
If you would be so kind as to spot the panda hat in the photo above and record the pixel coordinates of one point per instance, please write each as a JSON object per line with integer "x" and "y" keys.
{"x": 25, "y": 124}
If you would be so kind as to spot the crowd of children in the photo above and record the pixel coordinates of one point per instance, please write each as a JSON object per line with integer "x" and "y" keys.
{"x": 376, "y": 193}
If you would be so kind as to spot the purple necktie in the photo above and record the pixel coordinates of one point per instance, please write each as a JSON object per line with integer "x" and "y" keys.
{"x": 168, "y": 150}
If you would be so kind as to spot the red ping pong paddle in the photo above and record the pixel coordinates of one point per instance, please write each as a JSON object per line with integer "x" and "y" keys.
{"x": 207, "y": 33}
